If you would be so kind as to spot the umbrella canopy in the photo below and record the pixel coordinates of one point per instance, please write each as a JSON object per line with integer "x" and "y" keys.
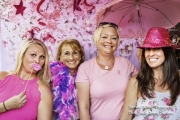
{"x": 135, "y": 17}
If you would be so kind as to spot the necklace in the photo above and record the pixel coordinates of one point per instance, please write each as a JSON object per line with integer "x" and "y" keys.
{"x": 28, "y": 80}
{"x": 19, "y": 80}
{"x": 106, "y": 67}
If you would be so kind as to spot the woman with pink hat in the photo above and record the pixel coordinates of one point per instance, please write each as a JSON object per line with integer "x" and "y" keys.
{"x": 154, "y": 94}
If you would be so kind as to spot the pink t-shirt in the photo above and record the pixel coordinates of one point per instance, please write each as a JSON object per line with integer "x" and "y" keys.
{"x": 107, "y": 88}
{"x": 13, "y": 85}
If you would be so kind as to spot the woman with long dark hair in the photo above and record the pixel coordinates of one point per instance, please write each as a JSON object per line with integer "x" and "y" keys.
{"x": 154, "y": 94}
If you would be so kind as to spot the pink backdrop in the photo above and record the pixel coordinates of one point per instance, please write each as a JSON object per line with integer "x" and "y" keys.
{"x": 52, "y": 22}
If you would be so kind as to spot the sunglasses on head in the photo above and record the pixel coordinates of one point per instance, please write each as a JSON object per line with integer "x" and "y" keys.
{"x": 110, "y": 23}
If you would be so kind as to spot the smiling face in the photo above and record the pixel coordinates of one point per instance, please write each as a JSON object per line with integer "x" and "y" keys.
{"x": 154, "y": 57}
{"x": 69, "y": 57}
{"x": 34, "y": 54}
{"x": 108, "y": 40}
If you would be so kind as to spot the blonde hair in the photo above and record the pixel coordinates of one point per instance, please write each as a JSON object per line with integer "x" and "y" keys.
{"x": 98, "y": 31}
{"x": 75, "y": 45}
{"x": 44, "y": 74}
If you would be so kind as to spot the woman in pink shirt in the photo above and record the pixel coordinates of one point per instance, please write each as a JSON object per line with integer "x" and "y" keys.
{"x": 101, "y": 82}
{"x": 24, "y": 93}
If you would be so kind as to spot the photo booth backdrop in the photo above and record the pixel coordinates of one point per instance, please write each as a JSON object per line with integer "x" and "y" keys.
{"x": 52, "y": 21}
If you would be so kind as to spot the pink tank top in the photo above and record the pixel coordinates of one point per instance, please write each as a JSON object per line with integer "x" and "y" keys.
{"x": 13, "y": 85}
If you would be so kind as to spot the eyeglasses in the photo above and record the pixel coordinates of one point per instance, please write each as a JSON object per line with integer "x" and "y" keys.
{"x": 110, "y": 23}
{"x": 68, "y": 54}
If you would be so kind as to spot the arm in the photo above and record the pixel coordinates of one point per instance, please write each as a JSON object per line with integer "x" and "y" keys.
{"x": 139, "y": 54}
{"x": 45, "y": 104}
{"x": 130, "y": 100}
{"x": 2, "y": 109}
{"x": 83, "y": 100}
{"x": 14, "y": 102}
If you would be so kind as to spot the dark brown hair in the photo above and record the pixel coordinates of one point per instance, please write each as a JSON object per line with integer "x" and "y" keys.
{"x": 170, "y": 75}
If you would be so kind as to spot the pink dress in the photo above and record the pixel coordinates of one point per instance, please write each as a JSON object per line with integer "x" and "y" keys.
{"x": 13, "y": 85}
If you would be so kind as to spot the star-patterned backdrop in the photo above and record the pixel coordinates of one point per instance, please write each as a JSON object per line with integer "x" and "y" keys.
{"x": 53, "y": 21}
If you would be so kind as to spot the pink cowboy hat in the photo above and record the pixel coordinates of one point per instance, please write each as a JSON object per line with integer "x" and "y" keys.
{"x": 156, "y": 38}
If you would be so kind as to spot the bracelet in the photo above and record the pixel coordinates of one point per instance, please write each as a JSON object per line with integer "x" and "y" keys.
{"x": 4, "y": 106}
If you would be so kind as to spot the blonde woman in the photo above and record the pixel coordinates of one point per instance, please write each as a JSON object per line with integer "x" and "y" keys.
{"x": 25, "y": 92}
{"x": 101, "y": 81}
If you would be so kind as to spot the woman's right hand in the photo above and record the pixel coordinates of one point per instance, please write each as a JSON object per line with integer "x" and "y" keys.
{"x": 16, "y": 101}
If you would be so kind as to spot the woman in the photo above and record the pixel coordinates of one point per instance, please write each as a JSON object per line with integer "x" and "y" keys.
{"x": 69, "y": 56}
{"x": 27, "y": 84}
{"x": 154, "y": 93}
{"x": 101, "y": 81}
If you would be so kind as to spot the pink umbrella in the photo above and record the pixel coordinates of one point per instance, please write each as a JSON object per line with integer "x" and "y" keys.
{"x": 135, "y": 17}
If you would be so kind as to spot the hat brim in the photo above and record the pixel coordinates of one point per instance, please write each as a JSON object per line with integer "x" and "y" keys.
{"x": 149, "y": 46}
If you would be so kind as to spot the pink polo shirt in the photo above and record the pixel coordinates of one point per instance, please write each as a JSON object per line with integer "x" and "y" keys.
{"x": 107, "y": 88}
